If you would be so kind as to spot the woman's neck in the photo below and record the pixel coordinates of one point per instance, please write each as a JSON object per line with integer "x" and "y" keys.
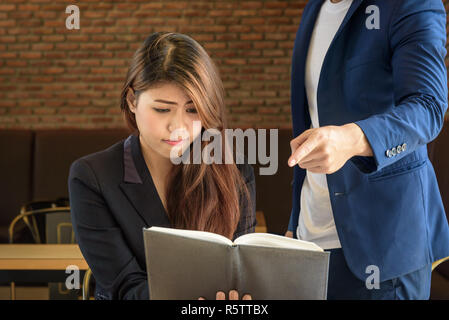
{"x": 158, "y": 165}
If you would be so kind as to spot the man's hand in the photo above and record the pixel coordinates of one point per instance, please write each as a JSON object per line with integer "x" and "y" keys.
{"x": 326, "y": 149}
{"x": 289, "y": 234}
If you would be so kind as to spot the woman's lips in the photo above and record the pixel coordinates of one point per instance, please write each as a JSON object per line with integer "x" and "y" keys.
{"x": 173, "y": 142}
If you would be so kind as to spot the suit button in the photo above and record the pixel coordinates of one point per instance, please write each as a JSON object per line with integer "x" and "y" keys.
{"x": 404, "y": 147}
{"x": 393, "y": 151}
{"x": 399, "y": 149}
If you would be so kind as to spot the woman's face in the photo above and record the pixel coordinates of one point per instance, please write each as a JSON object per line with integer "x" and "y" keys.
{"x": 164, "y": 117}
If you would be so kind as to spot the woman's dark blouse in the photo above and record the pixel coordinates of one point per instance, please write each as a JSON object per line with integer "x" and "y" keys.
{"x": 112, "y": 198}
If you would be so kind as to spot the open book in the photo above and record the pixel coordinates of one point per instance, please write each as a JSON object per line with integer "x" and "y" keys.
{"x": 186, "y": 264}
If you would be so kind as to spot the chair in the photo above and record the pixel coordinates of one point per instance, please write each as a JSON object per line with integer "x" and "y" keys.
{"x": 45, "y": 221}
{"x": 438, "y": 262}
{"x": 86, "y": 284}
{"x": 31, "y": 214}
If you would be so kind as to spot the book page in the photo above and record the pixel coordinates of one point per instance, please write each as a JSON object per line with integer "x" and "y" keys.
{"x": 276, "y": 241}
{"x": 185, "y": 267}
{"x": 194, "y": 234}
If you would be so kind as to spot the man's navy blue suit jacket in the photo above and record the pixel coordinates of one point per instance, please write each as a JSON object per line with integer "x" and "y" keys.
{"x": 391, "y": 81}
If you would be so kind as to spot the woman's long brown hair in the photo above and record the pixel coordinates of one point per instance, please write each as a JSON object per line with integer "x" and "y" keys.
{"x": 201, "y": 196}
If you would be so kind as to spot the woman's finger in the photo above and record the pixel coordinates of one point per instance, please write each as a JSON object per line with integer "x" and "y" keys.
{"x": 233, "y": 295}
{"x": 220, "y": 295}
{"x": 247, "y": 297}
{"x": 201, "y": 298}
{"x": 289, "y": 234}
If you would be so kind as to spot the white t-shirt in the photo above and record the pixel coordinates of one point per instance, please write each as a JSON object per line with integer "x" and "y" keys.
{"x": 316, "y": 220}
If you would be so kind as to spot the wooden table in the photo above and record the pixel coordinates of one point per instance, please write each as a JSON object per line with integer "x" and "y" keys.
{"x": 39, "y": 262}
{"x": 40, "y": 257}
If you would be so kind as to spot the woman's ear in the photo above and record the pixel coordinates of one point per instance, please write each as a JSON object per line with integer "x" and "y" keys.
{"x": 131, "y": 99}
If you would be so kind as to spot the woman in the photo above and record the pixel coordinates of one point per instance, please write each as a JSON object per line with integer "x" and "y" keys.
{"x": 171, "y": 83}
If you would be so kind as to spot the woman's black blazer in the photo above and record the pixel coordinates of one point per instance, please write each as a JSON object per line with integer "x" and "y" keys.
{"x": 112, "y": 198}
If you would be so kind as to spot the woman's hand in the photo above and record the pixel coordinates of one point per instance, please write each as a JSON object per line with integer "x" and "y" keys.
{"x": 233, "y": 295}
{"x": 326, "y": 149}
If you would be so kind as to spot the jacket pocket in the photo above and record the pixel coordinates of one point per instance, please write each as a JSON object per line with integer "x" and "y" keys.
{"x": 406, "y": 168}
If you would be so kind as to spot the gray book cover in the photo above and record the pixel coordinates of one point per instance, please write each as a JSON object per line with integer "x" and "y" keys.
{"x": 187, "y": 265}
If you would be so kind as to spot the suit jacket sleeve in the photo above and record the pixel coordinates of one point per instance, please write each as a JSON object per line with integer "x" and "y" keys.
{"x": 100, "y": 239}
{"x": 417, "y": 39}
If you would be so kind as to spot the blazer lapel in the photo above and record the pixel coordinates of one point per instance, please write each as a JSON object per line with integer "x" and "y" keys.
{"x": 305, "y": 32}
{"x": 300, "y": 51}
{"x": 354, "y": 6}
{"x": 138, "y": 186}
{"x": 301, "y": 47}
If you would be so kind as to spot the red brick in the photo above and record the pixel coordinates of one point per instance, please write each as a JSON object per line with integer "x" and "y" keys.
{"x": 113, "y": 62}
{"x": 8, "y": 55}
{"x": 30, "y": 55}
{"x": 16, "y": 63}
{"x": 215, "y": 45}
{"x": 28, "y": 7}
{"x": 42, "y": 46}
{"x": 253, "y": 21}
{"x": 67, "y": 46}
{"x": 151, "y": 6}
{"x": 251, "y": 36}
{"x": 7, "y": 23}
{"x": 270, "y": 13}
{"x": 276, "y": 4}
{"x": 240, "y": 28}
{"x": 251, "y": 5}
{"x": 265, "y": 45}
{"x": 7, "y": 7}
{"x": 53, "y": 70}
{"x": 293, "y": 12}
{"x": 169, "y": 13}
{"x": 53, "y": 38}
{"x": 176, "y": 5}
{"x": 7, "y": 39}
{"x": 220, "y": 13}
{"x": 45, "y": 14}
{"x": 93, "y": 14}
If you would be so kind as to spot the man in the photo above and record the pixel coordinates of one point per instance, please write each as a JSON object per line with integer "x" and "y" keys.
{"x": 368, "y": 92}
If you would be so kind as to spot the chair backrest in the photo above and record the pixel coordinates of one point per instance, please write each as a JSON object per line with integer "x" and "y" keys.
{"x": 46, "y": 221}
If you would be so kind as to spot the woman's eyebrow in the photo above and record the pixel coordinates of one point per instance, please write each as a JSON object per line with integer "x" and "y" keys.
{"x": 170, "y": 102}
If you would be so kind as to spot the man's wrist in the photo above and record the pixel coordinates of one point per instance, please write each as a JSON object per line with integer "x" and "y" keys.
{"x": 360, "y": 144}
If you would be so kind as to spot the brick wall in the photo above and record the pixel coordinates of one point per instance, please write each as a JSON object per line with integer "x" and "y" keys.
{"x": 52, "y": 77}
